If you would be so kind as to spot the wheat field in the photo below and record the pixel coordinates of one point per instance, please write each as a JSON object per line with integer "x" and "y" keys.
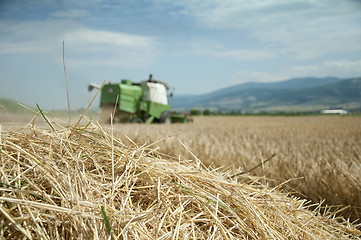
{"x": 181, "y": 181}
{"x": 317, "y": 157}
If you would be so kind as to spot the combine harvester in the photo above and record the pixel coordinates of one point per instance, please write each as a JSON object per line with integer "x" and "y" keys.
{"x": 146, "y": 101}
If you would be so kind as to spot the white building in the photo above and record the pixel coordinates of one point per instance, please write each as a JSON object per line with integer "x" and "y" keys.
{"x": 334, "y": 111}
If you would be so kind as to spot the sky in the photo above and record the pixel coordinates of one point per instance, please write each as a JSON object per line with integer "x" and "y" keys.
{"x": 196, "y": 46}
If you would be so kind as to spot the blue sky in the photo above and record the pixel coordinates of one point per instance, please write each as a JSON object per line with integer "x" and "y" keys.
{"x": 195, "y": 46}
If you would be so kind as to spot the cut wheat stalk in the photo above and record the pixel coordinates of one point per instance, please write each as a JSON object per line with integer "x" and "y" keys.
{"x": 85, "y": 183}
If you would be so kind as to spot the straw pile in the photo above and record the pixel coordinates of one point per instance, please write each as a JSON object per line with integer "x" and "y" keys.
{"x": 84, "y": 184}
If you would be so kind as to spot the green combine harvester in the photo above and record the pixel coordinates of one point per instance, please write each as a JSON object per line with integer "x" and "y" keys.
{"x": 146, "y": 101}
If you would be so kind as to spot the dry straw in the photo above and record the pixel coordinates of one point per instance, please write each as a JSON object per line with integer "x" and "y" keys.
{"x": 89, "y": 185}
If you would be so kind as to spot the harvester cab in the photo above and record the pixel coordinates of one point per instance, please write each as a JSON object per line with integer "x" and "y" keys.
{"x": 146, "y": 101}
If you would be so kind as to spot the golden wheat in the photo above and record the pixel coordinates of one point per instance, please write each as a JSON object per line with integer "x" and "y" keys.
{"x": 82, "y": 183}
{"x": 320, "y": 155}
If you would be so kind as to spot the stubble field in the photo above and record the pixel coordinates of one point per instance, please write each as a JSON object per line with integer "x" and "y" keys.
{"x": 317, "y": 158}
{"x": 138, "y": 181}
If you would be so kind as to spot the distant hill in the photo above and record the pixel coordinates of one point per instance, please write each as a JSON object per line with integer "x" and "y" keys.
{"x": 10, "y": 106}
{"x": 297, "y": 94}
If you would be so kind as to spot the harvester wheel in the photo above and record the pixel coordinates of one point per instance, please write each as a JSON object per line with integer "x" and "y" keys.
{"x": 137, "y": 120}
{"x": 166, "y": 118}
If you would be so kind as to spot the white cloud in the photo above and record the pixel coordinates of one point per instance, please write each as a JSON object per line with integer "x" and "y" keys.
{"x": 239, "y": 54}
{"x": 208, "y": 48}
{"x": 248, "y": 76}
{"x": 307, "y": 69}
{"x": 71, "y": 13}
{"x": 305, "y": 29}
{"x": 104, "y": 48}
{"x": 106, "y": 38}
{"x": 83, "y": 45}
{"x": 344, "y": 65}
{"x": 34, "y": 37}
{"x": 340, "y": 68}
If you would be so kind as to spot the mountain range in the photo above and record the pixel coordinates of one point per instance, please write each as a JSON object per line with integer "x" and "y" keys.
{"x": 297, "y": 94}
